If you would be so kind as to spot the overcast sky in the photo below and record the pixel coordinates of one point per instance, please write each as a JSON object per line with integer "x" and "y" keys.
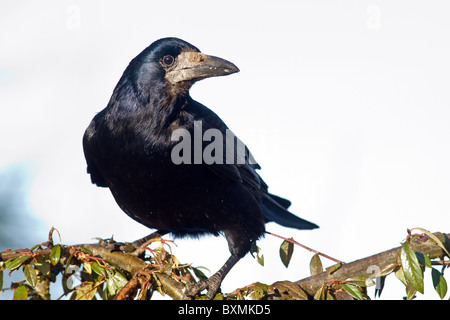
{"x": 345, "y": 106}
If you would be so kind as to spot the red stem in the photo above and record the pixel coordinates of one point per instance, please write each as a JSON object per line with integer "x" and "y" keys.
{"x": 291, "y": 240}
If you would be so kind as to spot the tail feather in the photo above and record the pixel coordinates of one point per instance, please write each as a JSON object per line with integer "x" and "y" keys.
{"x": 275, "y": 209}
{"x": 284, "y": 202}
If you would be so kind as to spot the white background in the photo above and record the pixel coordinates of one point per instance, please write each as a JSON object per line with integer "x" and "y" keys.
{"x": 345, "y": 106}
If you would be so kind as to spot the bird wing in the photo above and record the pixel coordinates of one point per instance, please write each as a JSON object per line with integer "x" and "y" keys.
{"x": 239, "y": 173}
{"x": 238, "y": 165}
{"x": 89, "y": 146}
{"x": 273, "y": 207}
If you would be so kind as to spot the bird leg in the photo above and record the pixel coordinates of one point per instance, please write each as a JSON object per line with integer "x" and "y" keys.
{"x": 136, "y": 247}
{"x": 212, "y": 283}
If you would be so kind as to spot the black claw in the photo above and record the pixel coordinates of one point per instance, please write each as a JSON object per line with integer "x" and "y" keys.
{"x": 212, "y": 284}
{"x": 192, "y": 289}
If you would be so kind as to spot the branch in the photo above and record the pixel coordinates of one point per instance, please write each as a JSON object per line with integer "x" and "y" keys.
{"x": 164, "y": 273}
{"x": 136, "y": 267}
{"x": 365, "y": 267}
{"x": 125, "y": 261}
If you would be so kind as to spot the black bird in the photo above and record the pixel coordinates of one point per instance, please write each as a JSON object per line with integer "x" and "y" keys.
{"x": 129, "y": 149}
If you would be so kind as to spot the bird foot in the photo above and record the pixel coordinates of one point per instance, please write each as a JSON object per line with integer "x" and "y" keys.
{"x": 212, "y": 284}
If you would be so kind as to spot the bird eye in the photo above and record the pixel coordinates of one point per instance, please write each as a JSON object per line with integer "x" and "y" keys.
{"x": 168, "y": 60}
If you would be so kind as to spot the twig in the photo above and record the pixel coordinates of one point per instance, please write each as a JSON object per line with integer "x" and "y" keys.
{"x": 305, "y": 247}
{"x": 441, "y": 263}
{"x": 129, "y": 290}
{"x": 50, "y": 235}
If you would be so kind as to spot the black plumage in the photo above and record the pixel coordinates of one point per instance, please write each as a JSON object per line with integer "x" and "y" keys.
{"x": 129, "y": 149}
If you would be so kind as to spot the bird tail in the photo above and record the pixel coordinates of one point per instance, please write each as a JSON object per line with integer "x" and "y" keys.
{"x": 275, "y": 209}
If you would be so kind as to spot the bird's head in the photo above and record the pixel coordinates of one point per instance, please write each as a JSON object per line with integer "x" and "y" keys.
{"x": 178, "y": 64}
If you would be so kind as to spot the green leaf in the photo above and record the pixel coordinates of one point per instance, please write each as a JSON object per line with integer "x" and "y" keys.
{"x": 315, "y": 265}
{"x": 388, "y": 269}
{"x": 333, "y": 268}
{"x": 424, "y": 261}
{"x": 87, "y": 267}
{"x": 401, "y": 275}
{"x": 35, "y": 246}
{"x": 115, "y": 283}
{"x": 20, "y": 293}
{"x": 15, "y": 263}
{"x": 427, "y": 261}
{"x": 199, "y": 273}
{"x": 30, "y": 275}
{"x": 1, "y": 280}
{"x": 43, "y": 265}
{"x": 55, "y": 254}
{"x": 286, "y": 250}
{"x": 86, "y": 250}
{"x": 436, "y": 239}
{"x": 259, "y": 291}
{"x": 321, "y": 293}
{"x": 439, "y": 283}
{"x": 353, "y": 290}
{"x": 411, "y": 267}
{"x": 259, "y": 257}
{"x": 219, "y": 296}
{"x": 98, "y": 269}
{"x": 286, "y": 290}
{"x": 359, "y": 281}
{"x": 410, "y": 292}
{"x": 85, "y": 292}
